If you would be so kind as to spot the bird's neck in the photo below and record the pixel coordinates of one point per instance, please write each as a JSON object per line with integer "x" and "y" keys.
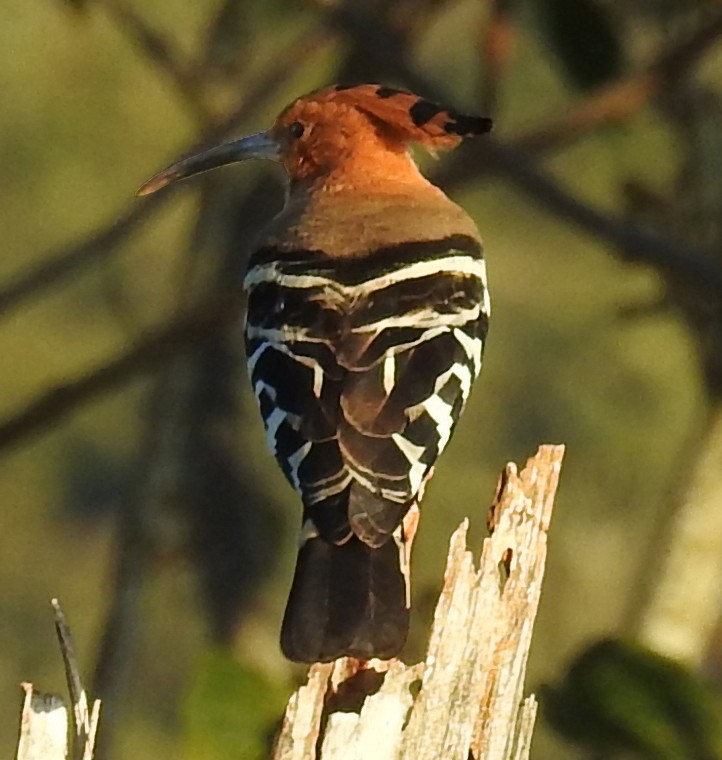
{"x": 364, "y": 174}
{"x": 351, "y": 215}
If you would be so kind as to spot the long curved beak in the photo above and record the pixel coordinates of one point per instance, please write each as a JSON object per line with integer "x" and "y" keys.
{"x": 260, "y": 145}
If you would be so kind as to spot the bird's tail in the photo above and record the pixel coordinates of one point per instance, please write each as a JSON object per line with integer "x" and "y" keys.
{"x": 347, "y": 600}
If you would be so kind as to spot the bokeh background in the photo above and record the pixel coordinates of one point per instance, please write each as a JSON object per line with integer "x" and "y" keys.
{"x": 135, "y": 482}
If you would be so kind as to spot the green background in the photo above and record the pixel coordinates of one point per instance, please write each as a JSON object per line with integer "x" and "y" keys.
{"x": 86, "y": 117}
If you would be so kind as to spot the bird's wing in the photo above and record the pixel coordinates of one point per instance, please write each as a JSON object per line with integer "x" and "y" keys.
{"x": 361, "y": 368}
{"x": 412, "y": 345}
{"x": 292, "y": 326}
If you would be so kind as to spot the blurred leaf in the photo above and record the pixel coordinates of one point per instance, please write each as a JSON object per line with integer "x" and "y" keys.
{"x": 618, "y": 696}
{"x": 584, "y": 39}
{"x": 230, "y": 710}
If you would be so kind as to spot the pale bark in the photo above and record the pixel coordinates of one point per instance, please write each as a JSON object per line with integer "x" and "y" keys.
{"x": 682, "y": 612}
{"x": 44, "y": 719}
{"x": 43, "y": 727}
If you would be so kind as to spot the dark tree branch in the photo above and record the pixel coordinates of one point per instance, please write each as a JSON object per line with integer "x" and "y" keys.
{"x": 228, "y": 38}
{"x": 136, "y": 546}
{"x": 148, "y": 353}
{"x": 671, "y": 257}
{"x": 58, "y": 267}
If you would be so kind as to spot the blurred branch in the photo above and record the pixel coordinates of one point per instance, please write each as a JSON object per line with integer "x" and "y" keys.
{"x": 158, "y": 49}
{"x": 626, "y": 96}
{"x": 61, "y": 265}
{"x": 136, "y": 537}
{"x": 230, "y": 539}
{"x": 467, "y": 698}
{"x": 183, "y": 456}
{"x": 150, "y": 352}
{"x": 671, "y": 257}
{"x": 376, "y": 42}
{"x": 497, "y": 43}
{"x": 136, "y": 546}
{"x": 156, "y": 474}
{"x": 229, "y": 32}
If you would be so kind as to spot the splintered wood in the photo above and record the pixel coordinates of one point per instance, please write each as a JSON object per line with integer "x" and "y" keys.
{"x": 43, "y": 727}
{"x": 44, "y": 718}
{"x": 466, "y": 699}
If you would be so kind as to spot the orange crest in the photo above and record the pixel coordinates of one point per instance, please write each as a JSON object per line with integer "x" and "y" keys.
{"x": 325, "y": 128}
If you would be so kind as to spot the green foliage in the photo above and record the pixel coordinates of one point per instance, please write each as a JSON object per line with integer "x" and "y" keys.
{"x": 618, "y": 696}
{"x": 584, "y": 39}
{"x": 231, "y": 710}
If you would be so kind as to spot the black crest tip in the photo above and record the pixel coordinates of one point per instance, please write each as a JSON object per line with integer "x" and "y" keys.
{"x": 467, "y": 126}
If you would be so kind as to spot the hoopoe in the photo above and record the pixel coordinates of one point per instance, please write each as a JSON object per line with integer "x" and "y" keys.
{"x": 366, "y": 320}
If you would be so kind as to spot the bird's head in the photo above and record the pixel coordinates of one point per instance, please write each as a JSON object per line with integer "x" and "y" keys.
{"x": 359, "y": 129}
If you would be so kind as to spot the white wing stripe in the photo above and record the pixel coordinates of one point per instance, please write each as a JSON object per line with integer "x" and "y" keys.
{"x": 273, "y": 272}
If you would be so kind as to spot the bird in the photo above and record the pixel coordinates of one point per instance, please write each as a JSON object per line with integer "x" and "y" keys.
{"x": 367, "y": 314}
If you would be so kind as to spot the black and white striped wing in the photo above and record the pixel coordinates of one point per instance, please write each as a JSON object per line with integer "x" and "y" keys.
{"x": 293, "y": 321}
{"x": 413, "y": 346}
{"x": 361, "y": 369}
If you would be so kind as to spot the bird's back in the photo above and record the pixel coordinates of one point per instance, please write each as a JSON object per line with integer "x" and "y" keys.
{"x": 351, "y": 332}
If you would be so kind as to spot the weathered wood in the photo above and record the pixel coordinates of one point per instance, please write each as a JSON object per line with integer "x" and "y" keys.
{"x": 43, "y": 727}
{"x": 466, "y": 698}
{"x": 44, "y": 719}
{"x": 85, "y": 719}
{"x": 303, "y": 717}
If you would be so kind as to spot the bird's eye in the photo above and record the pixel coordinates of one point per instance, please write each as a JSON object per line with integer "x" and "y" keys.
{"x": 296, "y": 130}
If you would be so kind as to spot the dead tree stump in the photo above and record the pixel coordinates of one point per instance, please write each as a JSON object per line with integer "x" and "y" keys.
{"x": 44, "y": 717}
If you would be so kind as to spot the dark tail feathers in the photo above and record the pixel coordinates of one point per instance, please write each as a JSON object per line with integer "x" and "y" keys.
{"x": 345, "y": 600}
